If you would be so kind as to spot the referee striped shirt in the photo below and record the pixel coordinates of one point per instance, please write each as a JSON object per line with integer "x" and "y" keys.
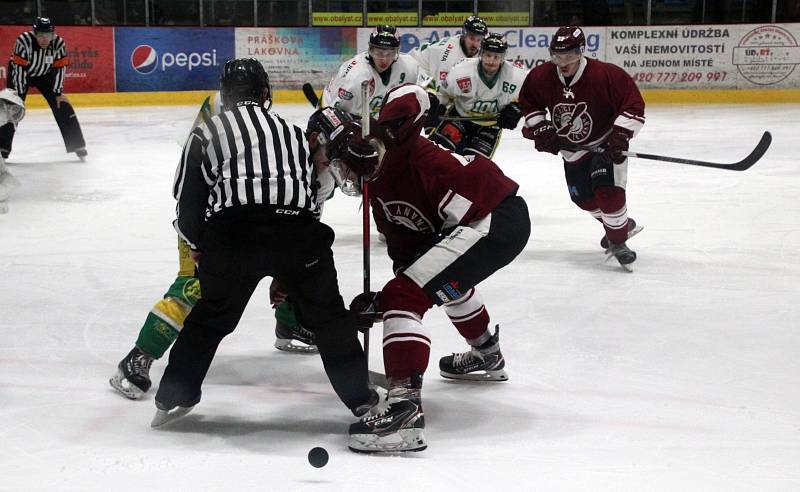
{"x": 240, "y": 157}
{"x": 30, "y": 60}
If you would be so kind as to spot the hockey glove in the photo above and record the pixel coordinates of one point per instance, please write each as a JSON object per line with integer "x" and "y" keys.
{"x": 617, "y": 143}
{"x": 361, "y": 157}
{"x": 509, "y": 116}
{"x": 544, "y": 137}
{"x": 367, "y": 310}
{"x": 434, "y": 114}
{"x": 276, "y": 293}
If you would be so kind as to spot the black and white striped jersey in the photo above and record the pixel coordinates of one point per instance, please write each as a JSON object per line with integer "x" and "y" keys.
{"x": 30, "y": 60}
{"x": 241, "y": 157}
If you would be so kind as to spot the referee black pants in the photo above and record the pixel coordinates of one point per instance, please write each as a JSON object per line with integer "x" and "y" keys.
{"x": 237, "y": 254}
{"x": 64, "y": 114}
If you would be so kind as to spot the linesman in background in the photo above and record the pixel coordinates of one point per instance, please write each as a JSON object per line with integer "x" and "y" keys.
{"x": 246, "y": 205}
{"x": 40, "y": 60}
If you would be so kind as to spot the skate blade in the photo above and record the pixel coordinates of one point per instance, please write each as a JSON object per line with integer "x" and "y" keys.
{"x": 124, "y": 387}
{"x": 499, "y": 375}
{"x": 291, "y": 345}
{"x": 628, "y": 267}
{"x": 163, "y": 417}
{"x": 402, "y": 441}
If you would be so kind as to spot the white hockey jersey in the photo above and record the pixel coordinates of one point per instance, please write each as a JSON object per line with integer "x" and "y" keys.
{"x": 344, "y": 89}
{"x": 473, "y": 94}
{"x": 436, "y": 59}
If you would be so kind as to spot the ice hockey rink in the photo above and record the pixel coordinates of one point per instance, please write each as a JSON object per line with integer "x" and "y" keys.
{"x": 680, "y": 376}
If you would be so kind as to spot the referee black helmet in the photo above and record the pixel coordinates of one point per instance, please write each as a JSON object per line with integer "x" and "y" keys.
{"x": 244, "y": 79}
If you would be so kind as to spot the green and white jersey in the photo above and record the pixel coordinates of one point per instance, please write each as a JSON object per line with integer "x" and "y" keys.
{"x": 344, "y": 89}
{"x": 473, "y": 94}
{"x": 436, "y": 59}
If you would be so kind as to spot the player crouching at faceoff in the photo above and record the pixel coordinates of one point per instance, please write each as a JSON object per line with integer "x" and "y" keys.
{"x": 450, "y": 222}
{"x": 483, "y": 87}
{"x": 12, "y": 110}
{"x": 590, "y": 103}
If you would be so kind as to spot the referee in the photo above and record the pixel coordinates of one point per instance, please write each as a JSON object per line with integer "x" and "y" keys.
{"x": 40, "y": 60}
{"x": 246, "y": 207}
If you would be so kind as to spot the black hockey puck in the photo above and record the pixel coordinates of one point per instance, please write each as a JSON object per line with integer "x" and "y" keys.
{"x": 318, "y": 457}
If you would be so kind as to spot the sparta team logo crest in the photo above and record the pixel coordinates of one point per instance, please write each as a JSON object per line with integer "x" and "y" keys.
{"x": 572, "y": 121}
{"x": 406, "y": 215}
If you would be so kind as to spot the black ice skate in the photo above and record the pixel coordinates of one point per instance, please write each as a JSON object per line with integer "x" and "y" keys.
{"x": 624, "y": 255}
{"x": 132, "y": 378}
{"x": 395, "y": 424}
{"x": 294, "y": 339}
{"x": 483, "y": 363}
{"x": 633, "y": 229}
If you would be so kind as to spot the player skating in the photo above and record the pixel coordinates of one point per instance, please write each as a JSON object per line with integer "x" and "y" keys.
{"x": 436, "y": 59}
{"x": 450, "y": 222}
{"x": 592, "y": 103}
{"x": 382, "y": 65}
{"x": 486, "y": 87}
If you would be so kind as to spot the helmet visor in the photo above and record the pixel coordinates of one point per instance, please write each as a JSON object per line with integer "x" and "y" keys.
{"x": 562, "y": 58}
{"x": 347, "y": 180}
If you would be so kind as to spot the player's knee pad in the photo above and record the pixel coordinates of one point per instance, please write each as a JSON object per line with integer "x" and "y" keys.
{"x": 402, "y": 295}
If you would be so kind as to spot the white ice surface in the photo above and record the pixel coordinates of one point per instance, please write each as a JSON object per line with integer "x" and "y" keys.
{"x": 680, "y": 376}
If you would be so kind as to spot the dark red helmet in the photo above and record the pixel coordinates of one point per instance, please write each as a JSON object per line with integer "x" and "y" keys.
{"x": 568, "y": 39}
{"x": 403, "y": 113}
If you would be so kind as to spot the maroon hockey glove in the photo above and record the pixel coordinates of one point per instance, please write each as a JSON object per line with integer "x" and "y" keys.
{"x": 361, "y": 157}
{"x": 544, "y": 137}
{"x": 365, "y": 307}
{"x": 617, "y": 143}
{"x": 276, "y": 293}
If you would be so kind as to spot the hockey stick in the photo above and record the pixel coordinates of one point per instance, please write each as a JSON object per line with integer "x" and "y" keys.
{"x": 746, "y": 163}
{"x": 375, "y": 378}
{"x": 310, "y": 94}
{"x": 468, "y": 118}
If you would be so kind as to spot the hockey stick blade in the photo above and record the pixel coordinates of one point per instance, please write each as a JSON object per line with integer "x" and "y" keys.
{"x": 310, "y": 94}
{"x": 378, "y": 379}
{"x": 746, "y": 163}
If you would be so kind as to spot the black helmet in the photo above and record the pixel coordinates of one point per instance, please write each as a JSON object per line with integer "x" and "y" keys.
{"x": 324, "y": 121}
{"x": 244, "y": 79}
{"x": 43, "y": 24}
{"x": 475, "y": 25}
{"x": 494, "y": 42}
{"x": 384, "y": 37}
{"x": 566, "y": 39}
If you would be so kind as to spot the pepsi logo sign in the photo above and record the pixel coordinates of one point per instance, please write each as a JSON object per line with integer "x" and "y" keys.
{"x": 144, "y": 59}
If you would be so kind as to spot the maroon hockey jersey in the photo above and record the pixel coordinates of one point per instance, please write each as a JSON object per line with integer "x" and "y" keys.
{"x": 423, "y": 190}
{"x": 599, "y": 96}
